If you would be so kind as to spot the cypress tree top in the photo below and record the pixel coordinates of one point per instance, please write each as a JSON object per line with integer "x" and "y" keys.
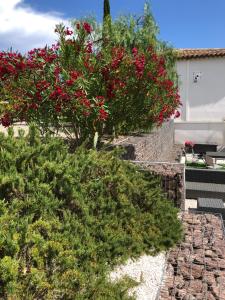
{"x": 106, "y": 9}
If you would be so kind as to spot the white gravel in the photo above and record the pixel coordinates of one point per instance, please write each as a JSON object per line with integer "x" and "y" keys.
{"x": 148, "y": 270}
{"x": 190, "y": 203}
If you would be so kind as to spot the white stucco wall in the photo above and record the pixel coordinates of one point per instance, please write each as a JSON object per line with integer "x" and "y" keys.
{"x": 203, "y": 111}
{"x": 200, "y": 132}
{"x": 203, "y": 100}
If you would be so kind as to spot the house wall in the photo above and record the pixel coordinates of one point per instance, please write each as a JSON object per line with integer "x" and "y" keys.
{"x": 200, "y": 132}
{"x": 203, "y": 100}
{"x": 203, "y": 110}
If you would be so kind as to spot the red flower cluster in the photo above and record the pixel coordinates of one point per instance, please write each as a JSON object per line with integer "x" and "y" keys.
{"x": 116, "y": 86}
{"x": 74, "y": 75}
{"x": 85, "y": 102}
{"x": 42, "y": 85}
{"x": 89, "y": 47}
{"x": 177, "y": 114}
{"x": 140, "y": 65}
{"x": 11, "y": 64}
{"x": 6, "y": 120}
{"x": 103, "y": 115}
{"x": 86, "y": 26}
{"x": 189, "y": 144}
{"x": 118, "y": 55}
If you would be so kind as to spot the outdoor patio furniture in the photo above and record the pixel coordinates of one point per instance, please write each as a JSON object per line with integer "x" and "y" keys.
{"x": 205, "y": 175}
{"x": 203, "y": 148}
{"x": 211, "y": 157}
{"x": 195, "y": 190}
{"x": 211, "y": 205}
{"x": 216, "y": 154}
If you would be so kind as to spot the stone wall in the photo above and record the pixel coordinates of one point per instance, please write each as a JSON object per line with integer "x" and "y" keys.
{"x": 155, "y": 146}
{"x": 157, "y": 153}
{"x": 196, "y": 267}
{"x": 172, "y": 179}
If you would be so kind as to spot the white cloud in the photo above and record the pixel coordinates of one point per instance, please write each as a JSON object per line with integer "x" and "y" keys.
{"x": 23, "y": 28}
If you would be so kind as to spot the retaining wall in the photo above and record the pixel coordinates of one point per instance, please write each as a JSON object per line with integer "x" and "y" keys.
{"x": 172, "y": 179}
{"x": 157, "y": 145}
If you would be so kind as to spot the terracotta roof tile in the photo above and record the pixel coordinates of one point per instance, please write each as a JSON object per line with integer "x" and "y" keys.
{"x": 199, "y": 53}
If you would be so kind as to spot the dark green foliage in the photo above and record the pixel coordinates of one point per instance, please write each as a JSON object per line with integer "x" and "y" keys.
{"x": 106, "y": 9}
{"x": 67, "y": 219}
{"x": 199, "y": 165}
{"x": 107, "y": 23}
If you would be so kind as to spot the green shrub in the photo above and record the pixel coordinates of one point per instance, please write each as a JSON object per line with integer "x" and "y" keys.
{"x": 67, "y": 219}
{"x": 199, "y": 165}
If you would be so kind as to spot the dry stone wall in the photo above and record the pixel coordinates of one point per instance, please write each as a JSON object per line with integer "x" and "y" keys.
{"x": 157, "y": 153}
{"x": 196, "y": 268}
{"x": 157, "y": 145}
{"x": 172, "y": 180}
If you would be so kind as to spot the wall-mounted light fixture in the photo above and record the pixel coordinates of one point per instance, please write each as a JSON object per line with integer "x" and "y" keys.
{"x": 197, "y": 76}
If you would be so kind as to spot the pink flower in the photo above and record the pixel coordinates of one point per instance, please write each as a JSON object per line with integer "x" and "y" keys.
{"x": 89, "y": 47}
{"x": 188, "y": 144}
{"x": 68, "y": 32}
{"x": 177, "y": 114}
{"x": 87, "y": 27}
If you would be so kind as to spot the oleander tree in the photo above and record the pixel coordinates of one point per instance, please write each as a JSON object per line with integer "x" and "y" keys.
{"x": 97, "y": 79}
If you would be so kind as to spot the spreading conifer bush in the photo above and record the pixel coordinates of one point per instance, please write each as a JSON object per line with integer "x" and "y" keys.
{"x": 67, "y": 219}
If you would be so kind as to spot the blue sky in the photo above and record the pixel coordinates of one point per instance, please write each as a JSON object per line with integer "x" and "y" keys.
{"x": 183, "y": 23}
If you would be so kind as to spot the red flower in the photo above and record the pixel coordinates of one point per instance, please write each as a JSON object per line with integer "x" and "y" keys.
{"x": 68, "y": 32}
{"x": 78, "y": 26}
{"x": 79, "y": 94}
{"x": 103, "y": 115}
{"x": 33, "y": 106}
{"x": 135, "y": 51}
{"x": 16, "y": 107}
{"x": 101, "y": 100}
{"x": 88, "y": 48}
{"x": 87, "y": 27}
{"x": 85, "y": 102}
{"x": 58, "y": 107}
{"x": 188, "y": 144}
{"x": 118, "y": 54}
{"x": 42, "y": 85}
{"x": 86, "y": 113}
{"x": 140, "y": 65}
{"x": 56, "y": 93}
{"x": 38, "y": 96}
{"x": 177, "y": 114}
{"x": 74, "y": 75}
{"x": 6, "y": 120}
{"x": 69, "y": 82}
